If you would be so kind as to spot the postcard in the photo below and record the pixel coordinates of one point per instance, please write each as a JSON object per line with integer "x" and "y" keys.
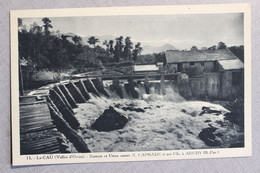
{"x": 130, "y": 83}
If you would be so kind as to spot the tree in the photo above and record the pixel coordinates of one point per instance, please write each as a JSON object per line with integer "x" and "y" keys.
{"x": 44, "y": 50}
{"x": 137, "y": 51}
{"x": 118, "y": 48}
{"x": 194, "y": 48}
{"x": 21, "y": 27}
{"x": 106, "y": 43}
{"x": 20, "y": 22}
{"x": 64, "y": 37}
{"x": 92, "y": 41}
{"x": 238, "y": 51}
{"x": 160, "y": 57}
{"x": 111, "y": 49}
{"x": 47, "y": 25}
{"x": 36, "y": 44}
{"x": 222, "y": 45}
{"x": 77, "y": 40}
{"x": 128, "y": 47}
{"x": 212, "y": 48}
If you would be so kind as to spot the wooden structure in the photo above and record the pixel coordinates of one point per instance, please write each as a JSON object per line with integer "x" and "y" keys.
{"x": 38, "y": 134}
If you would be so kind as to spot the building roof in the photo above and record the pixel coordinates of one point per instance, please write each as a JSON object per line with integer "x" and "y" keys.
{"x": 231, "y": 64}
{"x": 145, "y": 68}
{"x": 176, "y": 56}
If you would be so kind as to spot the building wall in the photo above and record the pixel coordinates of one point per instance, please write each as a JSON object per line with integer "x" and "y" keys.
{"x": 197, "y": 87}
{"x": 207, "y": 86}
{"x": 172, "y": 68}
{"x": 214, "y": 85}
{"x": 229, "y": 88}
{"x": 192, "y": 70}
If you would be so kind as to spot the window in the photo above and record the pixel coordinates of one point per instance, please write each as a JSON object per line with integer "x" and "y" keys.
{"x": 202, "y": 63}
{"x": 192, "y": 63}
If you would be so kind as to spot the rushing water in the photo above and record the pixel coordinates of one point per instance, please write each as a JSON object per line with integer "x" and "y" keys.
{"x": 168, "y": 123}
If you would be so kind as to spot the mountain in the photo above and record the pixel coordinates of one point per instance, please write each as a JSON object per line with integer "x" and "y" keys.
{"x": 147, "y": 49}
{"x": 101, "y": 39}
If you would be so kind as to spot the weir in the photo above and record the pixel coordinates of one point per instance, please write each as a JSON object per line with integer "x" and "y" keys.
{"x": 63, "y": 109}
{"x": 75, "y": 92}
{"x": 131, "y": 88}
{"x": 146, "y": 85}
{"x": 91, "y": 87}
{"x": 70, "y": 134}
{"x": 64, "y": 96}
{"x": 57, "y": 89}
{"x": 68, "y": 96}
{"x": 82, "y": 89}
{"x": 117, "y": 88}
{"x": 99, "y": 86}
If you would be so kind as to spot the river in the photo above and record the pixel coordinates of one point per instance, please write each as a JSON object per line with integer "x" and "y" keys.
{"x": 168, "y": 122}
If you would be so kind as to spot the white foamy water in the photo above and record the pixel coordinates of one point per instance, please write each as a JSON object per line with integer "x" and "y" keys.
{"x": 168, "y": 123}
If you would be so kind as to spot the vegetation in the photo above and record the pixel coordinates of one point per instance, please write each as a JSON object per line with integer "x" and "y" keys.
{"x": 237, "y": 50}
{"x": 44, "y": 48}
{"x": 151, "y": 58}
{"x": 194, "y": 48}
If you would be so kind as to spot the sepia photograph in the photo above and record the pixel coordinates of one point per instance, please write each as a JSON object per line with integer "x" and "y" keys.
{"x": 130, "y": 85}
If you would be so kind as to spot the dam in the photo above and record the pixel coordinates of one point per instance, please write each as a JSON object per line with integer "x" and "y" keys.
{"x": 162, "y": 113}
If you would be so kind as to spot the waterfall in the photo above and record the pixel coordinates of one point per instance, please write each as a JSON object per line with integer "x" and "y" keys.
{"x": 132, "y": 89}
{"x": 141, "y": 89}
{"x": 124, "y": 92}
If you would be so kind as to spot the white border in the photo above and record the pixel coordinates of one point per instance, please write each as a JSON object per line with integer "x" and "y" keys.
{"x": 18, "y": 159}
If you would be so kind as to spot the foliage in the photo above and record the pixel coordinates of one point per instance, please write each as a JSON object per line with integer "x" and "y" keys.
{"x": 137, "y": 51}
{"x": 118, "y": 48}
{"x": 238, "y": 51}
{"x": 47, "y": 25}
{"x": 151, "y": 58}
{"x": 222, "y": 45}
{"x": 212, "y": 47}
{"x": 77, "y": 40}
{"x": 127, "y": 48}
{"x": 194, "y": 48}
{"x": 111, "y": 48}
{"x": 49, "y": 49}
{"x": 93, "y": 40}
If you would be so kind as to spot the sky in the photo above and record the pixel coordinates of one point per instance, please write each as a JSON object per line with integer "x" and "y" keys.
{"x": 182, "y": 30}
